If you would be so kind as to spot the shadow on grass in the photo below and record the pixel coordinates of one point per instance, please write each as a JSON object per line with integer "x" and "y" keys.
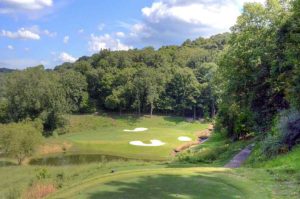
{"x": 168, "y": 187}
{"x": 174, "y": 119}
{"x": 129, "y": 119}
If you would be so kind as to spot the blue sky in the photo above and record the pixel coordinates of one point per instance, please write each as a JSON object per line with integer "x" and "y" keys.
{"x": 51, "y": 32}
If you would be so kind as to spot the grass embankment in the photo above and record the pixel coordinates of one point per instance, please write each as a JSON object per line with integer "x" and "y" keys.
{"x": 284, "y": 170}
{"x": 216, "y": 151}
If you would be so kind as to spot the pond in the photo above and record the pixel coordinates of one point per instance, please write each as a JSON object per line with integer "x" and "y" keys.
{"x": 73, "y": 159}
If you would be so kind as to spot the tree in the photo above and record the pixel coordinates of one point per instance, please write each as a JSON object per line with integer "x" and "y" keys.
{"x": 183, "y": 90}
{"x": 20, "y": 140}
{"x": 75, "y": 86}
{"x": 287, "y": 70}
{"x": 36, "y": 93}
{"x": 247, "y": 65}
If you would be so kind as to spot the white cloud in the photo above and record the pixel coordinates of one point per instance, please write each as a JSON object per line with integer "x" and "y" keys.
{"x": 173, "y": 21}
{"x": 10, "y": 47}
{"x": 27, "y": 49}
{"x": 13, "y": 6}
{"x": 80, "y": 31}
{"x": 120, "y": 34}
{"x": 66, "y": 39}
{"x": 21, "y": 63}
{"x": 27, "y": 4}
{"x": 65, "y": 57}
{"x": 22, "y": 33}
{"x": 106, "y": 41}
{"x": 50, "y": 34}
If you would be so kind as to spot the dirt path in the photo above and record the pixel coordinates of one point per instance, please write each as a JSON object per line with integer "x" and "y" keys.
{"x": 240, "y": 158}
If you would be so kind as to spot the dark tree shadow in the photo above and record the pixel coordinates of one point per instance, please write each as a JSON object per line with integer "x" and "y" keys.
{"x": 129, "y": 119}
{"x": 174, "y": 119}
{"x": 169, "y": 187}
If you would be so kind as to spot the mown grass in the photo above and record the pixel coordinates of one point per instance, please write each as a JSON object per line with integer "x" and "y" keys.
{"x": 105, "y": 135}
{"x": 167, "y": 183}
{"x": 284, "y": 170}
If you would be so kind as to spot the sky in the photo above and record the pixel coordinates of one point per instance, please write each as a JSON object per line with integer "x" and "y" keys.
{"x": 51, "y": 32}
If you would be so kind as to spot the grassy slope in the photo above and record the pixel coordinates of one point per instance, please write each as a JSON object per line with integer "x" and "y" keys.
{"x": 283, "y": 169}
{"x": 216, "y": 151}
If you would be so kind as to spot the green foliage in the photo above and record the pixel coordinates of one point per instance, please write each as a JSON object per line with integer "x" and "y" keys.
{"x": 75, "y": 86}
{"x": 288, "y": 68}
{"x": 4, "y": 111}
{"x": 283, "y": 136}
{"x": 251, "y": 93}
{"x": 42, "y": 174}
{"x": 148, "y": 80}
{"x": 204, "y": 156}
{"x": 20, "y": 140}
{"x": 35, "y": 93}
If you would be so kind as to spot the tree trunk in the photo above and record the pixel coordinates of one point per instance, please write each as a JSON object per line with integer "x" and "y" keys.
{"x": 213, "y": 112}
{"x": 20, "y": 160}
{"x": 139, "y": 108}
{"x": 194, "y": 112}
{"x": 151, "y": 109}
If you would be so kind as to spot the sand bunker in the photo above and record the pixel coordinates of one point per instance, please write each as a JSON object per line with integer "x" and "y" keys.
{"x": 136, "y": 130}
{"x": 153, "y": 143}
{"x": 184, "y": 139}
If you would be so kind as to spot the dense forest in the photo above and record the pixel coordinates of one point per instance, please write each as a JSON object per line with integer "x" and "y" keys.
{"x": 171, "y": 80}
{"x": 249, "y": 78}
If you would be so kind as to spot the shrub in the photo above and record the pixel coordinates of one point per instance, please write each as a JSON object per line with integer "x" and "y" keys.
{"x": 207, "y": 155}
{"x": 20, "y": 140}
{"x": 42, "y": 174}
{"x": 282, "y": 136}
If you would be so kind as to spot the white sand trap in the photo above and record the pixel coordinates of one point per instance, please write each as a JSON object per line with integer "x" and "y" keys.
{"x": 184, "y": 139}
{"x": 153, "y": 143}
{"x": 136, "y": 130}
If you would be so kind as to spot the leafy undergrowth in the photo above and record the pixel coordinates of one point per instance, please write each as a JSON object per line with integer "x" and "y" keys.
{"x": 216, "y": 151}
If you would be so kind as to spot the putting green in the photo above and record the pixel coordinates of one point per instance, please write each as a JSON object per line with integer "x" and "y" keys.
{"x": 166, "y": 183}
{"x": 107, "y": 136}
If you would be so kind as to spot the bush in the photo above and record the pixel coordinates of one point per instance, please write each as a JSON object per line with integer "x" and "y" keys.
{"x": 205, "y": 156}
{"x": 20, "y": 140}
{"x": 283, "y": 136}
{"x": 235, "y": 121}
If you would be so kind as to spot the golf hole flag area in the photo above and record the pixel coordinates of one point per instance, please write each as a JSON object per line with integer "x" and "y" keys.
{"x": 131, "y": 137}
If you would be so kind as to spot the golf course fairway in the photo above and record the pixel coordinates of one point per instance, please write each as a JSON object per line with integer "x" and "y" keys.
{"x": 166, "y": 183}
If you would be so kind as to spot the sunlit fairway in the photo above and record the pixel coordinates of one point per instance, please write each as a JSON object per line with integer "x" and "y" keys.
{"x": 106, "y": 135}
